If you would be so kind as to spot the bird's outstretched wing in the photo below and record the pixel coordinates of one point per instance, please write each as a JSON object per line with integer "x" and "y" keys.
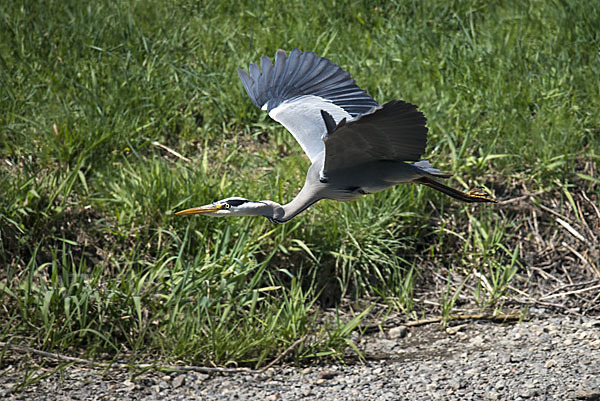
{"x": 394, "y": 131}
{"x": 297, "y": 88}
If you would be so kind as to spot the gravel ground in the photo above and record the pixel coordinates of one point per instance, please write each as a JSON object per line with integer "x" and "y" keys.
{"x": 546, "y": 358}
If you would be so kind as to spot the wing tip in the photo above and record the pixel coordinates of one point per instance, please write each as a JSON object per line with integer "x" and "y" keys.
{"x": 304, "y": 73}
{"x": 243, "y": 74}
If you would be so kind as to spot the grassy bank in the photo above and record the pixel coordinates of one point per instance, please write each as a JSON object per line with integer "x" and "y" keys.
{"x": 94, "y": 262}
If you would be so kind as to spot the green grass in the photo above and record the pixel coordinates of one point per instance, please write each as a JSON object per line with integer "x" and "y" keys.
{"x": 93, "y": 258}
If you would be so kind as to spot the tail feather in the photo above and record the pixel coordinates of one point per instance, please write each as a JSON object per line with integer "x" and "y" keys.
{"x": 428, "y": 168}
{"x": 471, "y": 196}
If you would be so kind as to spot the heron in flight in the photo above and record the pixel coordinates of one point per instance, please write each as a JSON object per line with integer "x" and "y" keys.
{"x": 356, "y": 146}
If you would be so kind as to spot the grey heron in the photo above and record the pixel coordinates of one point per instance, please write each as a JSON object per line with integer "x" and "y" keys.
{"x": 356, "y": 146}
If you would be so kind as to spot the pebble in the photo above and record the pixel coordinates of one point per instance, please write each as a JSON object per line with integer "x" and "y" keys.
{"x": 455, "y": 329}
{"x": 398, "y": 332}
{"x": 178, "y": 381}
{"x": 327, "y": 375}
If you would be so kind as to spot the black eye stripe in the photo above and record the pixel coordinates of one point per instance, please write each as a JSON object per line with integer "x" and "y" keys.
{"x": 236, "y": 202}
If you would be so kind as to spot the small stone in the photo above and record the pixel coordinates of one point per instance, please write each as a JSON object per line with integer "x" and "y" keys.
{"x": 549, "y": 363}
{"x": 455, "y": 329}
{"x": 477, "y": 341}
{"x": 568, "y": 341}
{"x": 528, "y": 393}
{"x": 586, "y": 394}
{"x": 455, "y": 384}
{"x": 129, "y": 385}
{"x": 398, "y": 332}
{"x": 200, "y": 377}
{"x": 377, "y": 371}
{"x": 306, "y": 391}
{"x": 178, "y": 381}
{"x": 328, "y": 375}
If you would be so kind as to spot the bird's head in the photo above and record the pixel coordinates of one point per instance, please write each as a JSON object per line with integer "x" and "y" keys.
{"x": 236, "y": 206}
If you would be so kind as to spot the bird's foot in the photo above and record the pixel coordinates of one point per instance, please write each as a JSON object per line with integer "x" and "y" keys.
{"x": 477, "y": 195}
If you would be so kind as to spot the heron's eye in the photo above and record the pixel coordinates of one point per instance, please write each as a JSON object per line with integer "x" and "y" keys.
{"x": 226, "y": 205}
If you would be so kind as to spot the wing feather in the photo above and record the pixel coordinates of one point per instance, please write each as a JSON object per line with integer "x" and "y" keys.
{"x": 395, "y": 131}
{"x": 298, "y": 87}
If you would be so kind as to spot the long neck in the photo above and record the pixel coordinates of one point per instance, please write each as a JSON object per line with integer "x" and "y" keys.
{"x": 306, "y": 198}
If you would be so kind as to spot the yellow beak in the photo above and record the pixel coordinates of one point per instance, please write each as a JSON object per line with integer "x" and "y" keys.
{"x": 207, "y": 209}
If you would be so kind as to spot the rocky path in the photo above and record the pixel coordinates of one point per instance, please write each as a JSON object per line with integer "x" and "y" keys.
{"x": 546, "y": 358}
